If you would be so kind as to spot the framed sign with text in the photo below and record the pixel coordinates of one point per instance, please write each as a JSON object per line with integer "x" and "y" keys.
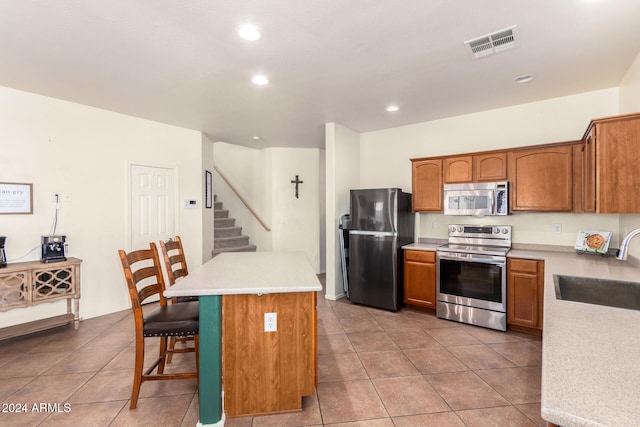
{"x": 16, "y": 198}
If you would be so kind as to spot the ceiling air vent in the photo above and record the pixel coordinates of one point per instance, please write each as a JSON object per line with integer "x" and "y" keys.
{"x": 493, "y": 43}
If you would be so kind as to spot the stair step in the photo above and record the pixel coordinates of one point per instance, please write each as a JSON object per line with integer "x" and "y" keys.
{"x": 230, "y": 242}
{"x": 246, "y": 248}
{"x": 224, "y": 223}
{"x": 227, "y": 232}
{"x": 217, "y": 206}
{"x": 221, "y": 213}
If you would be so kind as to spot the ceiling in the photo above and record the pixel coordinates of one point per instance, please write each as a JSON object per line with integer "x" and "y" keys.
{"x": 180, "y": 61}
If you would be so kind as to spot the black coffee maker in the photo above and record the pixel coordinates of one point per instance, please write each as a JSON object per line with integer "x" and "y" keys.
{"x": 53, "y": 248}
{"x": 3, "y": 254}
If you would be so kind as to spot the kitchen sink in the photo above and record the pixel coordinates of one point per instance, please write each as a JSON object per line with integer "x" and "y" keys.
{"x": 612, "y": 293}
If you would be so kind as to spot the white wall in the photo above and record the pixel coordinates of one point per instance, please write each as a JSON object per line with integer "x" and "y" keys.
{"x": 207, "y": 214}
{"x": 246, "y": 168}
{"x": 263, "y": 178}
{"x": 630, "y": 103}
{"x": 342, "y": 147}
{"x": 630, "y": 89}
{"x": 67, "y": 148}
{"x": 385, "y": 154}
{"x": 296, "y": 222}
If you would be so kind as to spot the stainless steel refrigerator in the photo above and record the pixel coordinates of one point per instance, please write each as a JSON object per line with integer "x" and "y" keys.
{"x": 381, "y": 222}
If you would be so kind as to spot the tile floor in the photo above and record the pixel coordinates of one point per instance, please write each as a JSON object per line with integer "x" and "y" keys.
{"x": 376, "y": 368}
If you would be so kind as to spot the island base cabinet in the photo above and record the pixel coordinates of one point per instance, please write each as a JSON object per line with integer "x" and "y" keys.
{"x": 266, "y": 372}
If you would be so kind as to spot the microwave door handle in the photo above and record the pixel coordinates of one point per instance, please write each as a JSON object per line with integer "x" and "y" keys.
{"x": 492, "y": 199}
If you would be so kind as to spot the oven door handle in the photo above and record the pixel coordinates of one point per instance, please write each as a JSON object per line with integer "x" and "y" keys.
{"x": 493, "y": 261}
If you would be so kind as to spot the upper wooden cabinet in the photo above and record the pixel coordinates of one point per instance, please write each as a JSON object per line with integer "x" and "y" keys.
{"x": 485, "y": 167}
{"x": 542, "y": 179}
{"x": 611, "y": 159}
{"x": 490, "y": 167}
{"x": 427, "y": 185}
{"x": 458, "y": 169}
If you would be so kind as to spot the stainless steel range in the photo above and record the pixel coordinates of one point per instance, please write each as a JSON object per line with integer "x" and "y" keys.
{"x": 472, "y": 275}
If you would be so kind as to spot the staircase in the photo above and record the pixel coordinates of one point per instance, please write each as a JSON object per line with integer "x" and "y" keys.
{"x": 227, "y": 236}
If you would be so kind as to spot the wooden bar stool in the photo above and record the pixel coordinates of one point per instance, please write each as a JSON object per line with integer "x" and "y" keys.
{"x": 142, "y": 268}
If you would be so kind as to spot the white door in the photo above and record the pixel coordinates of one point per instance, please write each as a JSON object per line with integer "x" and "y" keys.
{"x": 152, "y": 205}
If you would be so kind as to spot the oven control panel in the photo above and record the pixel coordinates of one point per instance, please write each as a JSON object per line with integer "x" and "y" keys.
{"x": 480, "y": 231}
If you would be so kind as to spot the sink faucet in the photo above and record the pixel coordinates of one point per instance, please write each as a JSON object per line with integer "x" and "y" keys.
{"x": 624, "y": 246}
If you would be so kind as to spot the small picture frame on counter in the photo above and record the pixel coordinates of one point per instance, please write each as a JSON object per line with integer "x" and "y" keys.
{"x": 594, "y": 242}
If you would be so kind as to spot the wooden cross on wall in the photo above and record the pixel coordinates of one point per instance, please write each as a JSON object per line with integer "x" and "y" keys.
{"x": 296, "y": 182}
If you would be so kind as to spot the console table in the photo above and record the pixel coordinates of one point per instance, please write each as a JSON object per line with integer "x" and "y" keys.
{"x": 25, "y": 284}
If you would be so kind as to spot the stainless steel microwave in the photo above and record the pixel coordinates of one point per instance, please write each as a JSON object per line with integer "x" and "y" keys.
{"x": 477, "y": 199}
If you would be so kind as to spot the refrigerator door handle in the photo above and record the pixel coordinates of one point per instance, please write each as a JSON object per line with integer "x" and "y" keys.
{"x": 373, "y": 233}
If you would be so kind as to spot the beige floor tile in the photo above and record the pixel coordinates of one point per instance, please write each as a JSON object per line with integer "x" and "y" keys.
{"x": 329, "y": 325}
{"x": 371, "y": 341}
{"x": 25, "y": 417}
{"x": 479, "y": 357}
{"x": 489, "y": 336}
{"x": 154, "y": 412}
{"x": 340, "y": 367}
{"x": 350, "y": 401}
{"x": 394, "y": 321}
{"x": 84, "y": 361}
{"x": 309, "y": 416}
{"x": 100, "y": 414}
{"x": 521, "y": 353}
{"x": 517, "y": 385}
{"x": 465, "y": 390}
{"x": 387, "y": 364}
{"x": 192, "y": 417}
{"x": 382, "y": 422}
{"x": 106, "y": 386}
{"x": 412, "y": 338}
{"x": 441, "y": 419}
{"x": 434, "y": 360}
{"x": 360, "y": 324}
{"x": 30, "y": 364}
{"x": 9, "y": 386}
{"x": 428, "y": 320}
{"x": 452, "y": 336}
{"x": 409, "y": 396}
{"x": 346, "y": 310}
{"x": 495, "y": 417}
{"x": 532, "y": 411}
{"x": 334, "y": 343}
{"x": 51, "y": 388}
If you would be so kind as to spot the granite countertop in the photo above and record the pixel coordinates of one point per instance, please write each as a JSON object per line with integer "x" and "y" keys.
{"x": 590, "y": 353}
{"x": 249, "y": 273}
{"x": 425, "y": 244}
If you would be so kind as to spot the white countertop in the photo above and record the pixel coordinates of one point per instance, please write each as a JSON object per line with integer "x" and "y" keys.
{"x": 235, "y": 273}
{"x": 590, "y": 353}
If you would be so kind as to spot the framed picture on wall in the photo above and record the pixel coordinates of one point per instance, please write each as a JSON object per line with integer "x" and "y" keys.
{"x": 16, "y": 198}
{"x": 208, "y": 196}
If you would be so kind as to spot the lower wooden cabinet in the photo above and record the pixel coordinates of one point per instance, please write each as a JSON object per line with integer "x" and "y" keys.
{"x": 525, "y": 294}
{"x": 420, "y": 278}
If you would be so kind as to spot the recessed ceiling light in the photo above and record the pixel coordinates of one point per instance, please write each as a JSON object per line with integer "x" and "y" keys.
{"x": 526, "y": 78}
{"x": 248, "y": 32}
{"x": 256, "y": 138}
{"x": 260, "y": 79}
{"x": 392, "y": 108}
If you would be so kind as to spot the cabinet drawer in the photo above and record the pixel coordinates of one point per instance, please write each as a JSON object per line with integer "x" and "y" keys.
{"x": 420, "y": 256}
{"x": 523, "y": 265}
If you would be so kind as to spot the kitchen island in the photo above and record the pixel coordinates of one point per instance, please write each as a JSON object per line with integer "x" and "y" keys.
{"x": 590, "y": 353}
{"x": 263, "y": 371}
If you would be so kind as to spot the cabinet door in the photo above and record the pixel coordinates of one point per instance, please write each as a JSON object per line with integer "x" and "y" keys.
{"x": 427, "y": 185}
{"x": 458, "y": 169}
{"x": 617, "y": 161}
{"x": 420, "y": 278}
{"x": 589, "y": 172}
{"x": 490, "y": 167}
{"x": 541, "y": 179}
{"x": 525, "y": 291}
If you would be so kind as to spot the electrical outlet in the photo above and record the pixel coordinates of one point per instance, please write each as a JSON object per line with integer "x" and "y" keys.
{"x": 557, "y": 228}
{"x": 434, "y": 225}
{"x": 270, "y": 322}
